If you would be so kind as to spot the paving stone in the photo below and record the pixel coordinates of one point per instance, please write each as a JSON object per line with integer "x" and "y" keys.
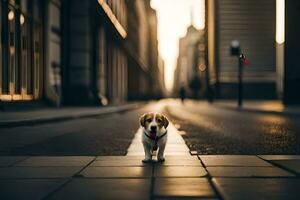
{"x": 141, "y": 157}
{"x": 175, "y": 141}
{"x": 136, "y": 149}
{"x": 75, "y": 161}
{"x": 136, "y": 141}
{"x": 248, "y": 172}
{"x": 119, "y": 158}
{"x": 177, "y": 146}
{"x": 167, "y": 153}
{"x": 293, "y": 165}
{"x": 179, "y": 171}
{"x": 233, "y": 160}
{"x": 137, "y": 160}
{"x": 181, "y": 157}
{"x": 184, "y": 198}
{"x": 182, "y": 187}
{"x": 122, "y": 163}
{"x": 109, "y": 172}
{"x": 133, "y": 153}
{"x": 258, "y": 188}
{"x": 105, "y": 189}
{"x": 176, "y": 149}
{"x": 38, "y": 172}
{"x": 178, "y": 153}
{"x": 280, "y": 157}
{"x": 6, "y": 161}
{"x": 181, "y": 162}
{"x": 33, "y": 189}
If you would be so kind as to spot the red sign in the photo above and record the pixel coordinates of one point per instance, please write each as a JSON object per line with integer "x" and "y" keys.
{"x": 246, "y": 62}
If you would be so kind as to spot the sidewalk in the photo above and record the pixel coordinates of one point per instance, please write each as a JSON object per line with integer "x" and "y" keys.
{"x": 181, "y": 176}
{"x": 263, "y": 106}
{"x": 19, "y": 118}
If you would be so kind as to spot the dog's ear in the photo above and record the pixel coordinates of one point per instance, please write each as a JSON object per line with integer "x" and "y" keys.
{"x": 166, "y": 121}
{"x": 142, "y": 120}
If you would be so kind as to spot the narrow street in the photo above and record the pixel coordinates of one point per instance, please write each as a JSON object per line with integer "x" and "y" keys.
{"x": 100, "y": 157}
{"x": 206, "y": 128}
{"x": 76, "y": 77}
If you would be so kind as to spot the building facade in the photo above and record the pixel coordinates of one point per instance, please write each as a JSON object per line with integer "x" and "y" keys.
{"x": 191, "y": 63}
{"x": 291, "y": 68}
{"x": 274, "y": 68}
{"x": 253, "y": 24}
{"x": 78, "y": 52}
{"x": 21, "y": 50}
{"x": 142, "y": 45}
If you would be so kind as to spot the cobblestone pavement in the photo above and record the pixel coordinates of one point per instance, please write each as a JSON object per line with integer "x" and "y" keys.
{"x": 181, "y": 176}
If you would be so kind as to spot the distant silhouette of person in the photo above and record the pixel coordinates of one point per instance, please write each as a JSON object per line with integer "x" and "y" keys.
{"x": 182, "y": 94}
{"x": 195, "y": 86}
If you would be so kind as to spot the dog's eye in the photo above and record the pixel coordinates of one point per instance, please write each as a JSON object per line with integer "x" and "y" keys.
{"x": 159, "y": 120}
{"x": 149, "y": 120}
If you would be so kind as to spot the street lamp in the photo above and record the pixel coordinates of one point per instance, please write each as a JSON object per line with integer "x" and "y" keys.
{"x": 236, "y": 51}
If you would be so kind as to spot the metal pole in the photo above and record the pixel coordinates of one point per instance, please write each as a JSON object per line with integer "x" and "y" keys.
{"x": 240, "y": 79}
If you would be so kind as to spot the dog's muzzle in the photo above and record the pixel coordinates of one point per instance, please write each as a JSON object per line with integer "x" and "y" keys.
{"x": 154, "y": 137}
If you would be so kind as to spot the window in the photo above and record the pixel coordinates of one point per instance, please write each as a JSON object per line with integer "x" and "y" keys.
{"x": 21, "y": 50}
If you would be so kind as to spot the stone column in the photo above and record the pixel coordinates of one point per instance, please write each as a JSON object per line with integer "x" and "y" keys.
{"x": 80, "y": 54}
{"x": 53, "y": 52}
{"x": 291, "y": 94}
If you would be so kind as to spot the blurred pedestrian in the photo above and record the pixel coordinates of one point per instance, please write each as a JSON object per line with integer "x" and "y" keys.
{"x": 195, "y": 85}
{"x": 182, "y": 94}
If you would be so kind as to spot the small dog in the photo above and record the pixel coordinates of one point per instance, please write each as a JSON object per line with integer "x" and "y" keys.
{"x": 154, "y": 135}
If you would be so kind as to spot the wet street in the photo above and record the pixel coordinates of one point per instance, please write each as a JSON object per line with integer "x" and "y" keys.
{"x": 107, "y": 134}
{"x": 214, "y": 130}
{"x": 206, "y": 128}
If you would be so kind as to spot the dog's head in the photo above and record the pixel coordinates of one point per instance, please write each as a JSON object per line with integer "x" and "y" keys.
{"x": 154, "y": 123}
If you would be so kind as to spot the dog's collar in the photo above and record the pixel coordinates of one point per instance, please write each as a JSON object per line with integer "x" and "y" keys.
{"x": 156, "y": 138}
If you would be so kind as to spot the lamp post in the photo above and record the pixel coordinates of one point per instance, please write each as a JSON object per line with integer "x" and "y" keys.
{"x": 241, "y": 66}
{"x": 236, "y": 51}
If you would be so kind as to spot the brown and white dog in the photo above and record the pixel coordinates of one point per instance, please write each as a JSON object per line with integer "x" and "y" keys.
{"x": 154, "y": 135}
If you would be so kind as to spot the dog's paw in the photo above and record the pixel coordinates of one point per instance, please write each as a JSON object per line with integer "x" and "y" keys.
{"x": 161, "y": 159}
{"x": 147, "y": 160}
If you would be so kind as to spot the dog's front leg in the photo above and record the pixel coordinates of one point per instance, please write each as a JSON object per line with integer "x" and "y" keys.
{"x": 161, "y": 150}
{"x": 147, "y": 149}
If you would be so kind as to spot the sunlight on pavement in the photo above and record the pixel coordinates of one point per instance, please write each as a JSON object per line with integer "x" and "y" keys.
{"x": 271, "y": 106}
{"x": 176, "y": 109}
{"x": 175, "y": 144}
{"x": 274, "y": 124}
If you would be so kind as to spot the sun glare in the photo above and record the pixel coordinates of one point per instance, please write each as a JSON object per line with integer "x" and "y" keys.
{"x": 174, "y": 16}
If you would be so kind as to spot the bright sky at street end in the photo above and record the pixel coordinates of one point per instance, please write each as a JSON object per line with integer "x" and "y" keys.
{"x": 174, "y": 16}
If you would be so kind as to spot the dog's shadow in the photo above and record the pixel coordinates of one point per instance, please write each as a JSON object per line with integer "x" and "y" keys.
{"x": 153, "y": 162}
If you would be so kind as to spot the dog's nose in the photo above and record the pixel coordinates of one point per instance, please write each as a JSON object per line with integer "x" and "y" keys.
{"x": 153, "y": 128}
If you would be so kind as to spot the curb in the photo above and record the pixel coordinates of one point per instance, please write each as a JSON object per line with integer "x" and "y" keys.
{"x": 66, "y": 117}
{"x": 258, "y": 110}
